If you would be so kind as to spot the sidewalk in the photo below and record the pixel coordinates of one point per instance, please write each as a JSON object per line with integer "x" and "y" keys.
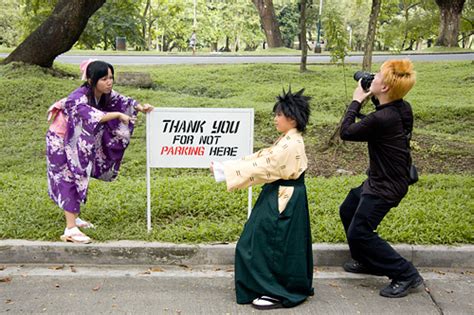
{"x": 160, "y": 278}
{"x": 144, "y": 253}
{"x": 60, "y": 289}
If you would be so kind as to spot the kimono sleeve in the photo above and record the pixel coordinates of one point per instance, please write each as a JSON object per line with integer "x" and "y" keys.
{"x": 83, "y": 114}
{"x": 281, "y": 162}
{"x": 123, "y": 104}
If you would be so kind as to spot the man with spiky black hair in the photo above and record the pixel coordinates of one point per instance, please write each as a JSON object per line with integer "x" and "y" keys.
{"x": 273, "y": 257}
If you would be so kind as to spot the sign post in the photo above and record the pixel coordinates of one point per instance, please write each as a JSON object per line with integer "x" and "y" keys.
{"x": 193, "y": 137}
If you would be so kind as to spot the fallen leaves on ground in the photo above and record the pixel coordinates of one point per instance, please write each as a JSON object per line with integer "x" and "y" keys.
{"x": 56, "y": 267}
{"x": 5, "y": 279}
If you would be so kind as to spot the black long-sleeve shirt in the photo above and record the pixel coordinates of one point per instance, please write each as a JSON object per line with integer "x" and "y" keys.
{"x": 385, "y": 133}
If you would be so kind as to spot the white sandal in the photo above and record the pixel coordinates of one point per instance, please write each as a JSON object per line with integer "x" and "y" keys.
{"x": 75, "y": 235}
{"x": 266, "y": 303}
{"x": 84, "y": 224}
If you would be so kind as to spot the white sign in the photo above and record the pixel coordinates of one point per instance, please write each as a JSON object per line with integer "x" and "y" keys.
{"x": 193, "y": 137}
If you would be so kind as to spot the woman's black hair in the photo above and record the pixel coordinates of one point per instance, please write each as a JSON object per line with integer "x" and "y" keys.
{"x": 98, "y": 69}
{"x": 294, "y": 106}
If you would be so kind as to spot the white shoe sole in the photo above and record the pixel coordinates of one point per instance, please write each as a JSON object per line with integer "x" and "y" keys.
{"x": 66, "y": 238}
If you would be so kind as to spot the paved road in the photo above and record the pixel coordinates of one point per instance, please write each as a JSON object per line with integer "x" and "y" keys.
{"x": 181, "y": 290}
{"x": 216, "y": 59}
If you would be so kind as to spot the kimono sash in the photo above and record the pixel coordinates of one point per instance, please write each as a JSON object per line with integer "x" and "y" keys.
{"x": 289, "y": 182}
{"x": 57, "y": 118}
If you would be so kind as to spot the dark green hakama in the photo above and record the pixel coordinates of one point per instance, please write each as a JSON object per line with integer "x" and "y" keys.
{"x": 273, "y": 256}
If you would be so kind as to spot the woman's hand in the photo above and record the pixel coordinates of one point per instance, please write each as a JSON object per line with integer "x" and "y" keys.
{"x": 211, "y": 168}
{"x": 116, "y": 115}
{"x": 124, "y": 118}
{"x": 145, "y": 108}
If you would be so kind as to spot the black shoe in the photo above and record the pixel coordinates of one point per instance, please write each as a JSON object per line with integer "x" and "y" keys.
{"x": 356, "y": 267}
{"x": 399, "y": 288}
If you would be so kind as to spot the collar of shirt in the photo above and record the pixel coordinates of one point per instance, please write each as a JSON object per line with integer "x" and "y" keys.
{"x": 392, "y": 103}
{"x": 290, "y": 132}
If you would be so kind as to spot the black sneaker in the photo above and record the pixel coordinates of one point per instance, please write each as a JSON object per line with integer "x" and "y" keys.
{"x": 399, "y": 288}
{"x": 356, "y": 267}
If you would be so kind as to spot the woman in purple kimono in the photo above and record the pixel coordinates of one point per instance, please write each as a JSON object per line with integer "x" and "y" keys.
{"x": 89, "y": 133}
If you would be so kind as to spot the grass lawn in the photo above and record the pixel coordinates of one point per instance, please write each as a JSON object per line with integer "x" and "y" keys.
{"x": 188, "y": 207}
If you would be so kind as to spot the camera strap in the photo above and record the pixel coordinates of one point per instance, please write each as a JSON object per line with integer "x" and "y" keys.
{"x": 405, "y": 130}
{"x": 407, "y": 136}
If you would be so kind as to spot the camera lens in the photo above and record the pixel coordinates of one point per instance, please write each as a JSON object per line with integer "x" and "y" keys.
{"x": 366, "y": 79}
{"x": 358, "y": 75}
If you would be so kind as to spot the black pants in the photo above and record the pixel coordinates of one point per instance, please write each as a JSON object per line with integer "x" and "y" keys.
{"x": 360, "y": 215}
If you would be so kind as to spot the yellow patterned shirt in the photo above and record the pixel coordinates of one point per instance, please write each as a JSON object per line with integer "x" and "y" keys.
{"x": 286, "y": 159}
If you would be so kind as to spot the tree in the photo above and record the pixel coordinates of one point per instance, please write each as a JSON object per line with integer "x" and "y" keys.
{"x": 450, "y": 17}
{"x": 269, "y": 22}
{"x": 147, "y": 22}
{"x": 303, "y": 43}
{"x": 10, "y": 24}
{"x": 288, "y": 21}
{"x": 116, "y": 18}
{"x": 337, "y": 44}
{"x": 467, "y": 25}
{"x": 57, "y": 34}
{"x": 369, "y": 43}
{"x": 417, "y": 18}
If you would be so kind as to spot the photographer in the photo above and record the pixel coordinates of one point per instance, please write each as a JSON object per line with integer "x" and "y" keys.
{"x": 385, "y": 130}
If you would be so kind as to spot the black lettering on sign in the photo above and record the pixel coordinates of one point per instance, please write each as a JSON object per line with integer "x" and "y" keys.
{"x": 183, "y": 139}
{"x": 209, "y": 139}
{"x": 223, "y": 151}
{"x": 183, "y": 126}
{"x": 225, "y": 126}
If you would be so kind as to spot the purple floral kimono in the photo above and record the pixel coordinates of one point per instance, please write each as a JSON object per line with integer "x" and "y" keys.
{"x": 78, "y": 146}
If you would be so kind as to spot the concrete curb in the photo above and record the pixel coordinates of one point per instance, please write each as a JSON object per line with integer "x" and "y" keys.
{"x": 143, "y": 253}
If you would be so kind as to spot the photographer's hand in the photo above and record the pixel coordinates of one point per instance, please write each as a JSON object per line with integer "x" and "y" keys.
{"x": 359, "y": 94}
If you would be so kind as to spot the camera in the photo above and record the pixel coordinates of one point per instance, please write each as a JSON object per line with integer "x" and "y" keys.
{"x": 366, "y": 77}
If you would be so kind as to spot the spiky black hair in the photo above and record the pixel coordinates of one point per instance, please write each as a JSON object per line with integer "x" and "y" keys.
{"x": 294, "y": 106}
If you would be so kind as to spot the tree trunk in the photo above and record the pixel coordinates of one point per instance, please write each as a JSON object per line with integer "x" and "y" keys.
{"x": 106, "y": 42}
{"x": 144, "y": 25}
{"x": 269, "y": 22}
{"x": 145, "y": 12}
{"x": 227, "y": 44}
{"x": 450, "y": 17}
{"x": 303, "y": 43}
{"x": 57, "y": 34}
{"x": 405, "y": 35}
{"x": 369, "y": 44}
{"x": 149, "y": 39}
{"x": 237, "y": 44}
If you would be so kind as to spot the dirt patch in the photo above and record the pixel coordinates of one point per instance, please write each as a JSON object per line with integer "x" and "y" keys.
{"x": 432, "y": 156}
